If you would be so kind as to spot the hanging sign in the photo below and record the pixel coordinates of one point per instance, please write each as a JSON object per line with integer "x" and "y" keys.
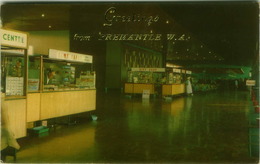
{"x": 250, "y": 82}
{"x": 13, "y": 39}
{"x": 148, "y": 69}
{"x": 70, "y": 56}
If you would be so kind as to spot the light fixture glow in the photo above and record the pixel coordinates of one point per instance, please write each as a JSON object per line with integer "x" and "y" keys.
{"x": 49, "y": 26}
{"x": 43, "y": 15}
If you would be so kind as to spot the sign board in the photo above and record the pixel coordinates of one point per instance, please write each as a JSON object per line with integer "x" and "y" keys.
{"x": 148, "y": 69}
{"x": 13, "y": 51}
{"x": 250, "y": 82}
{"x": 70, "y": 56}
{"x": 176, "y": 70}
{"x": 188, "y": 72}
{"x": 33, "y": 84}
{"x": 13, "y": 39}
{"x": 146, "y": 94}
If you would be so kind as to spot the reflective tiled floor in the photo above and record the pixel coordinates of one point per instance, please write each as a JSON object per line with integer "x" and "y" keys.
{"x": 207, "y": 127}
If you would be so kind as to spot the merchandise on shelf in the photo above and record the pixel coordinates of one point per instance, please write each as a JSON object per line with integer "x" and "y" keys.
{"x": 60, "y": 75}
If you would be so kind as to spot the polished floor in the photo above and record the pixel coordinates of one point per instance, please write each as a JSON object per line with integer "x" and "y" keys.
{"x": 208, "y": 127}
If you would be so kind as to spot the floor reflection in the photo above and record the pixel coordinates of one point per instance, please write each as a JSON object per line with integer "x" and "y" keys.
{"x": 208, "y": 128}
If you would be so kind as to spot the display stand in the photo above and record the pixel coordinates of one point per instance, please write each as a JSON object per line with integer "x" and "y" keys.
{"x": 174, "y": 84}
{"x": 140, "y": 79}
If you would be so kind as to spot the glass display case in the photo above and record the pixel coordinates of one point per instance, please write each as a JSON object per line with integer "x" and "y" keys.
{"x": 174, "y": 76}
{"x": 60, "y": 75}
{"x": 140, "y": 79}
{"x": 174, "y": 82}
{"x": 13, "y": 74}
{"x": 34, "y": 73}
{"x": 147, "y": 76}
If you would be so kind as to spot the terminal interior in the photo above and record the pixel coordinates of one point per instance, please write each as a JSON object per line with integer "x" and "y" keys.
{"x": 121, "y": 71}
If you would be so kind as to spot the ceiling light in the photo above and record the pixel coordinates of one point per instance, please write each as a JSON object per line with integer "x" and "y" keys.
{"x": 167, "y": 22}
{"x": 49, "y": 26}
{"x": 43, "y": 15}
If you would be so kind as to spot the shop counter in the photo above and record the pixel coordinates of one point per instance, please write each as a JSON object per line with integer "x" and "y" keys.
{"x": 47, "y": 105}
{"x": 173, "y": 89}
{"x": 138, "y": 88}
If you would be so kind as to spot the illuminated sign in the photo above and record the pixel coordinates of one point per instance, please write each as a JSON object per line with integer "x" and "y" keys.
{"x": 148, "y": 69}
{"x": 13, "y": 39}
{"x": 176, "y": 70}
{"x": 188, "y": 72}
{"x": 250, "y": 82}
{"x": 14, "y": 52}
{"x": 70, "y": 56}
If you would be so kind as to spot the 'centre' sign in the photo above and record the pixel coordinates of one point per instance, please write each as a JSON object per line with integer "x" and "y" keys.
{"x": 13, "y": 39}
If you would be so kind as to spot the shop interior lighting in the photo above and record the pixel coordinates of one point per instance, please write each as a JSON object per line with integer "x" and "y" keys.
{"x": 43, "y": 15}
{"x": 172, "y": 65}
{"x": 167, "y": 22}
{"x": 49, "y": 26}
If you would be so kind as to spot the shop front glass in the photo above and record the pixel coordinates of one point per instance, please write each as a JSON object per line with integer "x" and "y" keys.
{"x": 60, "y": 75}
{"x": 12, "y": 75}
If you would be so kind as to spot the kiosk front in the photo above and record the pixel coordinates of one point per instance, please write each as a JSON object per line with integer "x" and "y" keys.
{"x": 14, "y": 78}
{"x": 140, "y": 79}
{"x": 61, "y": 84}
{"x": 174, "y": 84}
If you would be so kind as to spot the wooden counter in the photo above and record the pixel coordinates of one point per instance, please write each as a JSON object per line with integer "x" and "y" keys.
{"x": 56, "y": 104}
{"x": 47, "y": 105}
{"x": 138, "y": 88}
{"x": 16, "y": 110}
{"x": 173, "y": 89}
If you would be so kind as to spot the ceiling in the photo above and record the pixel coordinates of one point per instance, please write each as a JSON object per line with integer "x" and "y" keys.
{"x": 215, "y": 32}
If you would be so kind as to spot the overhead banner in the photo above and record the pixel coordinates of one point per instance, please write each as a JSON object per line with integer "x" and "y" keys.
{"x": 70, "y": 56}
{"x": 148, "y": 69}
{"x": 13, "y": 39}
